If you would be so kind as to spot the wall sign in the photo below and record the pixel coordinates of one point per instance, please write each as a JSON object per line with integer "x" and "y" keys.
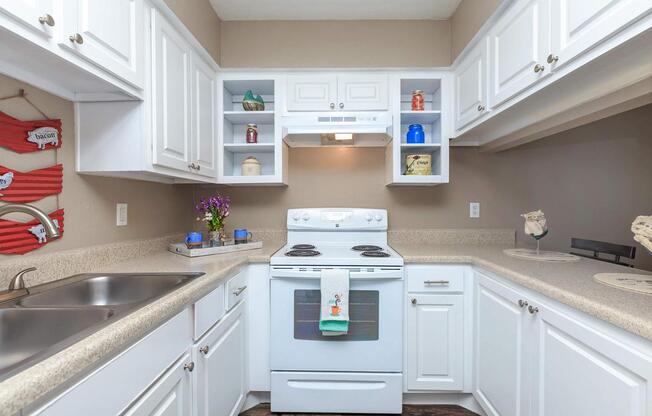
{"x": 29, "y": 136}
{"x": 23, "y": 237}
{"x": 22, "y": 187}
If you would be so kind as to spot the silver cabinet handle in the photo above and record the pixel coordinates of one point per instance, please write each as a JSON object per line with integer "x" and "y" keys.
{"x": 533, "y": 309}
{"x": 539, "y": 68}
{"x": 332, "y": 105}
{"x": 46, "y": 20}
{"x": 239, "y": 290}
{"x": 414, "y": 301}
{"x": 552, "y": 59}
{"x": 189, "y": 366}
{"x": 436, "y": 282}
{"x": 522, "y": 303}
{"x": 204, "y": 349}
{"x": 480, "y": 107}
{"x": 341, "y": 105}
{"x": 76, "y": 38}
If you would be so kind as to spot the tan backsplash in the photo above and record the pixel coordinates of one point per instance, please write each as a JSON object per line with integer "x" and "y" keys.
{"x": 469, "y": 16}
{"x": 591, "y": 182}
{"x": 90, "y": 202}
{"x": 202, "y": 21}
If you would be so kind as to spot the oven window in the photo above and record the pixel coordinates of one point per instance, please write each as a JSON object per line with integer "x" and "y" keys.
{"x": 363, "y": 315}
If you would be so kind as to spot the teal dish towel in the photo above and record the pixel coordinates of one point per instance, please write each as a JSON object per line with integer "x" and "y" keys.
{"x": 334, "y": 311}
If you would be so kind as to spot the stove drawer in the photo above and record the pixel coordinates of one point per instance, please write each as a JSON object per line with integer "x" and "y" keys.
{"x": 427, "y": 278}
{"x": 324, "y": 392}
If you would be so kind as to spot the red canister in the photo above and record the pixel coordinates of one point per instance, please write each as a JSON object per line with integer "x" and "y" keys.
{"x": 252, "y": 133}
{"x": 417, "y": 100}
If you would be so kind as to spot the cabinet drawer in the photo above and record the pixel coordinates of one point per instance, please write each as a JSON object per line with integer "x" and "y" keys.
{"x": 236, "y": 290}
{"x": 435, "y": 278}
{"x": 208, "y": 310}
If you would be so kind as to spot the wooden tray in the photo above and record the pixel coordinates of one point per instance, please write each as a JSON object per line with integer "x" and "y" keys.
{"x": 181, "y": 248}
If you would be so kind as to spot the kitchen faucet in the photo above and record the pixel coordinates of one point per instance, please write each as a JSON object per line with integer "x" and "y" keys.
{"x": 17, "y": 285}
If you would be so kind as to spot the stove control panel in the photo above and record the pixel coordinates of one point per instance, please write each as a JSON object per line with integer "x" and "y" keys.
{"x": 364, "y": 219}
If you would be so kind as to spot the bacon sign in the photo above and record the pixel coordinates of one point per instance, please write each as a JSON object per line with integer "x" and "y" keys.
{"x": 21, "y": 187}
{"x": 29, "y": 136}
{"x": 23, "y": 237}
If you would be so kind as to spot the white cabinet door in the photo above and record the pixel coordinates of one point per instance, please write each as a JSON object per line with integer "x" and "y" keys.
{"x": 581, "y": 371}
{"x": 220, "y": 358}
{"x": 435, "y": 353}
{"x": 312, "y": 92}
{"x": 109, "y": 34}
{"x": 518, "y": 45}
{"x": 501, "y": 386}
{"x": 578, "y": 25}
{"x": 33, "y": 14}
{"x": 171, "y": 96}
{"x": 170, "y": 396}
{"x": 471, "y": 86}
{"x": 362, "y": 92}
{"x": 204, "y": 117}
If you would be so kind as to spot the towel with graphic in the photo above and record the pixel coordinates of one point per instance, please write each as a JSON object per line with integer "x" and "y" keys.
{"x": 334, "y": 316}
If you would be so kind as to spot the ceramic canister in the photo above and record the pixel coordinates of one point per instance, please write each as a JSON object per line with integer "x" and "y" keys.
{"x": 250, "y": 166}
{"x": 418, "y": 164}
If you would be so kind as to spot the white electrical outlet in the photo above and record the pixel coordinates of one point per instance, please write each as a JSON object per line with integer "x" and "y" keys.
{"x": 474, "y": 210}
{"x": 121, "y": 214}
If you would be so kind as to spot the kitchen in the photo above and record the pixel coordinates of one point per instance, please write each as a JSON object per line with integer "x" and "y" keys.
{"x": 153, "y": 122}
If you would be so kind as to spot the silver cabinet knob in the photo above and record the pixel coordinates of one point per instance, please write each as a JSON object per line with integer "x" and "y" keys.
{"x": 46, "y": 20}
{"x": 192, "y": 166}
{"x": 76, "y": 38}
{"x": 198, "y": 166}
{"x": 189, "y": 366}
{"x": 341, "y": 105}
{"x": 414, "y": 301}
{"x": 480, "y": 107}
{"x": 539, "y": 68}
{"x": 522, "y": 303}
{"x": 552, "y": 59}
{"x": 532, "y": 309}
{"x": 204, "y": 349}
{"x": 332, "y": 105}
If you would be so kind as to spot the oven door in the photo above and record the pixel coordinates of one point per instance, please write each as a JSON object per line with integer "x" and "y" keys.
{"x": 374, "y": 340}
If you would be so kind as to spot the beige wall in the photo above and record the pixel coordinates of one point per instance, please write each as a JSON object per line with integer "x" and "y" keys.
{"x": 89, "y": 202}
{"x": 322, "y": 44}
{"x": 469, "y": 16}
{"x": 591, "y": 181}
{"x": 200, "y": 18}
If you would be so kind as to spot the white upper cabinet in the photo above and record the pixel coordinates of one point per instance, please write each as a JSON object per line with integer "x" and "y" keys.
{"x": 330, "y": 92}
{"x": 204, "y": 118}
{"x": 107, "y": 33}
{"x": 37, "y": 15}
{"x": 172, "y": 96}
{"x": 360, "y": 92}
{"x": 471, "y": 86}
{"x": 579, "y": 25}
{"x": 519, "y": 45}
{"x": 312, "y": 92}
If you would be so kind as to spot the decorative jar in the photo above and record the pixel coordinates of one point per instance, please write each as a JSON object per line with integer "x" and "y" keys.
{"x": 252, "y": 133}
{"x": 418, "y": 101}
{"x": 418, "y": 164}
{"x": 250, "y": 166}
{"x": 416, "y": 134}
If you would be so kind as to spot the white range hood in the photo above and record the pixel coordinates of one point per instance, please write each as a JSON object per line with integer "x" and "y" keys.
{"x": 368, "y": 129}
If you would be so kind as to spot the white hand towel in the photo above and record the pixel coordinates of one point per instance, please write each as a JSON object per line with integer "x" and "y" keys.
{"x": 334, "y": 316}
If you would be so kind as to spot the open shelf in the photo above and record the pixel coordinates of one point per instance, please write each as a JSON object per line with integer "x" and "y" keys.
{"x": 424, "y": 147}
{"x": 247, "y": 117}
{"x": 420, "y": 117}
{"x": 249, "y": 147}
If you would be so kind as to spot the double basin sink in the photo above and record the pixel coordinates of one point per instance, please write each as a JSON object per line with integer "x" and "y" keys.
{"x": 40, "y": 324}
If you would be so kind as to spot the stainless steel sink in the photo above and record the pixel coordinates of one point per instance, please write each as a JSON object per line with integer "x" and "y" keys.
{"x": 26, "y": 333}
{"x": 61, "y": 313}
{"x": 108, "y": 290}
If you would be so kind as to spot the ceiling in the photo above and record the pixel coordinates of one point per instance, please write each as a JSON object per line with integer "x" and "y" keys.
{"x": 334, "y": 9}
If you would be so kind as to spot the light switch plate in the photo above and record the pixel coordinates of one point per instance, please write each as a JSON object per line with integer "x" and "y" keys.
{"x": 474, "y": 210}
{"x": 121, "y": 215}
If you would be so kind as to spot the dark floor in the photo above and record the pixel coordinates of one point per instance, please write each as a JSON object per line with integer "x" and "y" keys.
{"x": 408, "y": 410}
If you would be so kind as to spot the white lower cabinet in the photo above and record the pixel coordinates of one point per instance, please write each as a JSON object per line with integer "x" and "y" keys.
{"x": 435, "y": 342}
{"x": 170, "y": 396}
{"x": 221, "y": 366}
{"x": 536, "y": 358}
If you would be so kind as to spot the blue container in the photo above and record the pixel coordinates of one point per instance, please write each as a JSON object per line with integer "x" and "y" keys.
{"x": 415, "y": 134}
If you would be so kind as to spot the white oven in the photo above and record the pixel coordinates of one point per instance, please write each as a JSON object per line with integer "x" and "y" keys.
{"x": 374, "y": 340}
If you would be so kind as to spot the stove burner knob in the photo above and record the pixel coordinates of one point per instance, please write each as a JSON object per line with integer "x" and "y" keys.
{"x": 378, "y": 217}
{"x": 296, "y": 216}
{"x": 368, "y": 217}
{"x": 306, "y": 216}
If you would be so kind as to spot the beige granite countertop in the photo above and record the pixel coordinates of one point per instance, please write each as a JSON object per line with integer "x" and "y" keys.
{"x": 569, "y": 283}
{"x": 68, "y": 365}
